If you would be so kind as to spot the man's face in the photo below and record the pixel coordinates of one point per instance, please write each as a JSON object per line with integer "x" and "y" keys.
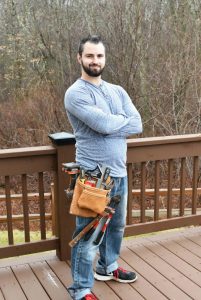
{"x": 92, "y": 59}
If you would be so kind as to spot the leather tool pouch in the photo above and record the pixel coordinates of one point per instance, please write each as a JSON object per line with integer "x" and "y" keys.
{"x": 88, "y": 201}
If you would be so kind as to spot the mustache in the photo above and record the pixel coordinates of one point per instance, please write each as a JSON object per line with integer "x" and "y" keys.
{"x": 94, "y": 65}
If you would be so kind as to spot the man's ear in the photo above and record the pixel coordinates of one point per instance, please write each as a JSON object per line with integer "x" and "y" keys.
{"x": 79, "y": 58}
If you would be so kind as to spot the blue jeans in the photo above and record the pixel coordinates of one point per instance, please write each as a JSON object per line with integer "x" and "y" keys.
{"x": 83, "y": 253}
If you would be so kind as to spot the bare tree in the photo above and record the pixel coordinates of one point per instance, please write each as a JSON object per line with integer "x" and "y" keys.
{"x": 153, "y": 50}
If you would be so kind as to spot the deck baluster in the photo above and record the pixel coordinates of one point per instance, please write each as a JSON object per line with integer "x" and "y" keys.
{"x": 169, "y": 195}
{"x": 157, "y": 186}
{"x": 182, "y": 185}
{"x": 42, "y": 206}
{"x": 9, "y": 211}
{"x": 25, "y": 208}
{"x": 130, "y": 195}
{"x": 195, "y": 184}
{"x": 142, "y": 194}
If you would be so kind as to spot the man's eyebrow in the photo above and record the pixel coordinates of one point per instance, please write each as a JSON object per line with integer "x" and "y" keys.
{"x": 92, "y": 54}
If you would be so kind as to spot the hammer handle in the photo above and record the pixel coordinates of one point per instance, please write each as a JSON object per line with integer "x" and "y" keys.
{"x": 91, "y": 231}
{"x": 74, "y": 241}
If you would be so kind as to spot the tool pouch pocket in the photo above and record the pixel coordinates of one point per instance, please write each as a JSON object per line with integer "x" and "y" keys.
{"x": 88, "y": 201}
{"x": 93, "y": 198}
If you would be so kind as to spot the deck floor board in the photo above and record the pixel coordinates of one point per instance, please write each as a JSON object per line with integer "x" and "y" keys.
{"x": 168, "y": 266}
{"x": 29, "y": 282}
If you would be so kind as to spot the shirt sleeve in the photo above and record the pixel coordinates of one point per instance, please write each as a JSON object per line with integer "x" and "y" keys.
{"x": 134, "y": 126}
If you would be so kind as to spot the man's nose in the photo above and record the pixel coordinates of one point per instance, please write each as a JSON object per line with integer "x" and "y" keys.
{"x": 95, "y": 59}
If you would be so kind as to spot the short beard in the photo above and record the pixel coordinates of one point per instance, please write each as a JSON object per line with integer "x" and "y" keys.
{"x": 92, "y": 73}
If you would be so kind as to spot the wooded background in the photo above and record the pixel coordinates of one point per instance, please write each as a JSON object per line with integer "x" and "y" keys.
{"x": 153, "y": 51}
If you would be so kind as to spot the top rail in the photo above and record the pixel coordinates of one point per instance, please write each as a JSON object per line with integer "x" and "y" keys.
{"x": 27, "y": 151}
{"x": 167, "y": 147}
{"x": 26, "y": 160}
{"x": 184, "y": 138}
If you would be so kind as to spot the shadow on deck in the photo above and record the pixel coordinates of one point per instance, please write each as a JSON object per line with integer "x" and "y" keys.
{"x": 168, "y": 266}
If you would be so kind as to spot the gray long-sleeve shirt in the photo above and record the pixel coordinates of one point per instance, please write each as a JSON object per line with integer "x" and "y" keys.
{"x": 102, "y": 117}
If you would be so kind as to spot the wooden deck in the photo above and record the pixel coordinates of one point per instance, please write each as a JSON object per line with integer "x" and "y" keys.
{"x": 168, "y": 266}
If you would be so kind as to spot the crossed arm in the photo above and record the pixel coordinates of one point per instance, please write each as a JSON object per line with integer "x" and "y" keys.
{"x": 115, "y": 125}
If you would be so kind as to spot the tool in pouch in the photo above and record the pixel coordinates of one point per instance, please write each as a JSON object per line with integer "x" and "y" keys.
{"x": 73, "y": 170}
{"x": 95, "y": 178}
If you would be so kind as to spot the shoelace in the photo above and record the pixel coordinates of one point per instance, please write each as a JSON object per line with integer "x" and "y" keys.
{"x": 116, "y": 272}
{"x": 90, "y": 297}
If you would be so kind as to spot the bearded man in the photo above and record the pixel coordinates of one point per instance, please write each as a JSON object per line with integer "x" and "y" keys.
{"x": 102, "y": 116}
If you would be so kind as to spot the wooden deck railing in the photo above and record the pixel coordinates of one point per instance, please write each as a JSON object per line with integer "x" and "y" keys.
{"x": 181, "y": 151}
{"x": 24, "y": 162}
{"x": 155, "y": 165}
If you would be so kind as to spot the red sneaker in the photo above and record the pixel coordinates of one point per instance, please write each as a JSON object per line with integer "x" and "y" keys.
{"x": 89, "y": 297}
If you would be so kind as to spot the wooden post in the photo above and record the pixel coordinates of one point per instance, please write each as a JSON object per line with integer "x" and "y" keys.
{"x": 65, "y": 145}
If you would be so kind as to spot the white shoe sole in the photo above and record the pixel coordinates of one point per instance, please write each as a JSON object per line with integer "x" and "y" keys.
{"x": 111, "y": 277}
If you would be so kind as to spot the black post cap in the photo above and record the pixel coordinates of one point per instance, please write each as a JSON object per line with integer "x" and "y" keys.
{"x": 62, "y": 138}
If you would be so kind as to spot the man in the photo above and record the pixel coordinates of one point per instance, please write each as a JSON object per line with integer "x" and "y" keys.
{"x": 102, "y": 116}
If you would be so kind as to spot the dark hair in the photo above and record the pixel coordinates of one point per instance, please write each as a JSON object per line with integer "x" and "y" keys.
{"x": 95, "y": 39}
